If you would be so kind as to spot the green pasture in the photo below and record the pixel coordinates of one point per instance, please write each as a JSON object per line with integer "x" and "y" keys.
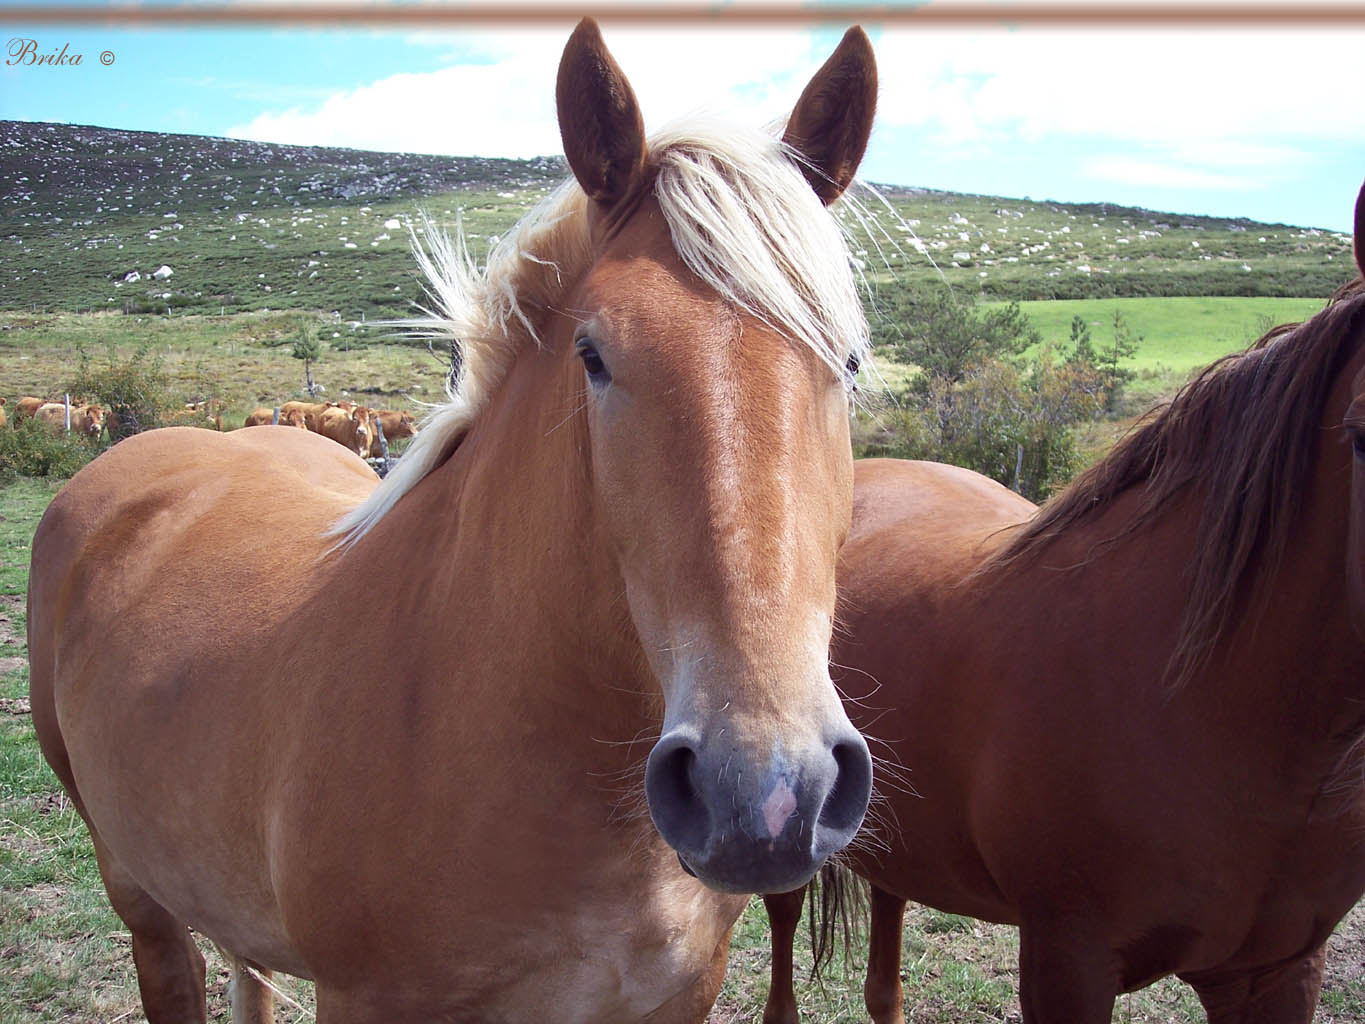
{"x": 1180, "y": 334}
{"x": 244, "y": 358}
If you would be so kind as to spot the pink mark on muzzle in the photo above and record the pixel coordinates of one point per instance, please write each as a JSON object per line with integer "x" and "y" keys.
{"x": 778, "y": 808}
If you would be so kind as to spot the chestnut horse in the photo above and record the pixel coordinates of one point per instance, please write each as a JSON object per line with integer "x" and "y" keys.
{"x": 1133, "y": 725}
{"x": 623, "y": 528}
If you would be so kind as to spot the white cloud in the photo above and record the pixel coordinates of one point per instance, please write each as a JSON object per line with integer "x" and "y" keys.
{"x": 499, "y": 100}
{"x": 1213, "y": 111}
{"x": 1137, "y": 85}
{"x": 1127, "y": 170}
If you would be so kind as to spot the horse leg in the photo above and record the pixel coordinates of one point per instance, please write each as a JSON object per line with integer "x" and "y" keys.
{"x": 1286, "y": 993}
{"x": 249, "y": 992}
{"x": 170, "y": 968}
{"x": 882, "y": 989}
{"x": 784, "y": 914}
{"x": 1065, "y": 977}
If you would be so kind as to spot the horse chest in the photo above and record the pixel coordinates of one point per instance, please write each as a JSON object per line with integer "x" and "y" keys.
{"x": 613, "y": 959}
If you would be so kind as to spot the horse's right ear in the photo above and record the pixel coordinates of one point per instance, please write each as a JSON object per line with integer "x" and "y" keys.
{"x": 599, "y": 118}
{"x": 833, "y": 118}
{"x": 1360, "y": 231}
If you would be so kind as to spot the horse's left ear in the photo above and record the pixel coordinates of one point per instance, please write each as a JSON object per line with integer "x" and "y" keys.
{"x": 1360, "y": 231}
{"x": 833, "y": 118}
{"x": 599, "y": 118}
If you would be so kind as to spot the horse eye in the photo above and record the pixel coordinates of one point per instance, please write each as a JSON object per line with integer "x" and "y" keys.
{"x": 592, "y": 362}
{"x": 851, "y": 366}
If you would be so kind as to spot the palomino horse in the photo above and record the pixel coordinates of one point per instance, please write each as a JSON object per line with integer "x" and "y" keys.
{"x": 624, "y": 525}
{"x": 1133, "y": 725}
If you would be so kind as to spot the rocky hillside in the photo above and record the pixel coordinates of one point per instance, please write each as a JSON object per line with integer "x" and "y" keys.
{"x": 75, "y": 171}
{"x": 100, "y": 219}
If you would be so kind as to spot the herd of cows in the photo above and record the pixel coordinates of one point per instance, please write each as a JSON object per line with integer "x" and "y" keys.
{"x": 367, "y": 432}
{"x": 86, "y": 420}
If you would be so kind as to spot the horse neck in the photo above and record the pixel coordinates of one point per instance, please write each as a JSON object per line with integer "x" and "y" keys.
{"x": 1288, "y": 668}
{"x": 511, "y": 554}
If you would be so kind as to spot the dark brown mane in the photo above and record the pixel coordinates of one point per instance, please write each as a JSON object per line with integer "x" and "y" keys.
{"x": 1245, "y": 429}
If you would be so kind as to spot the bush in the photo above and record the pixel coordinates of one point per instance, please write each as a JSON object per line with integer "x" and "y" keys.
{"x": 975, "y": 402}
{"x": 944, "y": 333}
{"x": 134, "y": 391}
{"x": 29, "y": 448}
{"x": 1010, "y": 424}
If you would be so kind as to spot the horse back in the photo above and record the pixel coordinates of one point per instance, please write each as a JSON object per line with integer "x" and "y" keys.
{"x": 919, "y": 526}
{"x": 187, "y": 523}
{"x": 165, "y": 493}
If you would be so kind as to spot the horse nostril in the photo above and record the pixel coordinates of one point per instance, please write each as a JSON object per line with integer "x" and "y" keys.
{"x": 678, "y": 810}
{"x": 847, "y": 801}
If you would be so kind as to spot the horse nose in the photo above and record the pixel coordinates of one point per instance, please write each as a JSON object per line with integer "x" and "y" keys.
{"x": 742, "y": 823}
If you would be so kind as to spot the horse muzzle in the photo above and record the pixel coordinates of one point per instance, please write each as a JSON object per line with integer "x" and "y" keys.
{"x": 742, "y": 826}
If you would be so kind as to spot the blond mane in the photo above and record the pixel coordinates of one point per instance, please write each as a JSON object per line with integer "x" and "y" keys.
{"x": 742, "y": 218}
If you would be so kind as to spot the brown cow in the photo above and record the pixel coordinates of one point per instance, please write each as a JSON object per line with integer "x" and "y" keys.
{"x": 309, "y": 410}
{"x": 26, "y": 407}
{"x": 208, "y": 413}
{"x": 86, "y": 420}
{"x": 394, "y": 424}
{"x": 265, "y": 417}
{"x": 2, "y": 412}
{"x": 397, "y": 423}
{"x": 351, "y": 429}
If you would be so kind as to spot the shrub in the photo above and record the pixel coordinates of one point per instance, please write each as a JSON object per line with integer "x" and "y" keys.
{"x": 944, "y": 333}
{"x": 1010, "y": 424}
{"x": 135, "y": 391}
{"x": 974, "y": 402}
{"x": 29, "y": 448}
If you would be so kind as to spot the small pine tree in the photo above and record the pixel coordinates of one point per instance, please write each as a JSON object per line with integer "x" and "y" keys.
{"x": 945, "y": 334}
{"x": 309, "y": 349}
{"x": 1082, "y": 348}
{"x": 1124, "y": 346}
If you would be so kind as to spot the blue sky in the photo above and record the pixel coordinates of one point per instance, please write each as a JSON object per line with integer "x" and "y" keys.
{"x": 1230, "y": 120}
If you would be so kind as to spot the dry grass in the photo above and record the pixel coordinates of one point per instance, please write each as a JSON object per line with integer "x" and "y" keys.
{"x": 243, "y": 359}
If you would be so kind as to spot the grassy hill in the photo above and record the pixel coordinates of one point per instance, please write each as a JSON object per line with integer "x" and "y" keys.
{"x": 1018, "y": 249}
{"x": 242, "y": 225}
{"x": 253, "y": 226}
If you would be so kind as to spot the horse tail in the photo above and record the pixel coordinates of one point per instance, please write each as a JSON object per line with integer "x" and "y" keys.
{"x": 838, "y": 911}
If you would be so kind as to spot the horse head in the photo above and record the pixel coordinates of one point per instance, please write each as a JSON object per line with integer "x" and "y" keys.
{"x": 721, "y": 464}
